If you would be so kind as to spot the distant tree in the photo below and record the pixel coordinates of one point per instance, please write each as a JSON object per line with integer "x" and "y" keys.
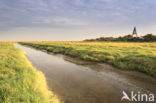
{"x": 127, "y": 37}
{"x": 149, "y": 37}
{"x": 136, "y": 39}
{"x": 146, "y": 38}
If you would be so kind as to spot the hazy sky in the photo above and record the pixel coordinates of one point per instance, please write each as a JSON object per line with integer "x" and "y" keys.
{"x": 74, "y": 19}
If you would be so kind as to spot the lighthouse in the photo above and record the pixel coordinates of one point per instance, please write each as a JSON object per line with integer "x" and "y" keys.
{"x": 135, "y": 32}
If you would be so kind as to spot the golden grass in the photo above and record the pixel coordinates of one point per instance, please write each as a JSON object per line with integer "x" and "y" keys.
{"x": 20, "y": 82}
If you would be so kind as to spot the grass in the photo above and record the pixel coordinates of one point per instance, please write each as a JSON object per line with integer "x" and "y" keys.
{"x": 19, "y": 81}
{"x": 123, "y": 55}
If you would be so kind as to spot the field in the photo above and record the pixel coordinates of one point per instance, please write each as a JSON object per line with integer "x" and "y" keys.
{"x": 19, "y": 81}
{"x": 123, "y": 55}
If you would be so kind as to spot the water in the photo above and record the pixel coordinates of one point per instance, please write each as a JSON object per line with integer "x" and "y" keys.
{"x": 77, "y": 81}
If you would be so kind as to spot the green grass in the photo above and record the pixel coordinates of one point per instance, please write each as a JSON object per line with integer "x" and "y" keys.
{"x": 19, "y": 81}
{"x": 123, "y": 55}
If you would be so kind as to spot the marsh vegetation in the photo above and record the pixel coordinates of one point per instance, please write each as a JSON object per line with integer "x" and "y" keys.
{"x": 123, "y": 55}
{"x": 20, "y": 82}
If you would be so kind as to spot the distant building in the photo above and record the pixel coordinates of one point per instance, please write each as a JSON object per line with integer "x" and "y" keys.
{"x": 135, "y": 32}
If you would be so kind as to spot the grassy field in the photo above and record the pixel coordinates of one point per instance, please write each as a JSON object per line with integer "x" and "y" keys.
{"x": 123, "y": 55}
{"x": 19, "y": 81}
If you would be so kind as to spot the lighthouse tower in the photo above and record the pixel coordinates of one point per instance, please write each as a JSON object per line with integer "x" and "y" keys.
{"x": 135, "y": 32}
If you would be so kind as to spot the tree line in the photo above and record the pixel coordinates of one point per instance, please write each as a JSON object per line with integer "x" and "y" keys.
{"x": 130, "y": 38}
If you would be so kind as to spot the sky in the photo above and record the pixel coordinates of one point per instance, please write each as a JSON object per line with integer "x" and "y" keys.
{"x": 67, "y": 20}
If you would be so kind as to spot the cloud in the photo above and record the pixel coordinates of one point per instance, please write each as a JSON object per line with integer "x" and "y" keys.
{"x": 76, "y": 14}
{"x": 69, "y": 21}
{"x": 60, "y": 21}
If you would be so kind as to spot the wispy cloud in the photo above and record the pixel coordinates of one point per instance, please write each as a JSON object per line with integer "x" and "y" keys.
{"x": 76, "y": 13}
{"x": 60, "y": 21}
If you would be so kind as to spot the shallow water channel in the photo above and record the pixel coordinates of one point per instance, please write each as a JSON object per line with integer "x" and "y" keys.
{"x": 78, "y": 81}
